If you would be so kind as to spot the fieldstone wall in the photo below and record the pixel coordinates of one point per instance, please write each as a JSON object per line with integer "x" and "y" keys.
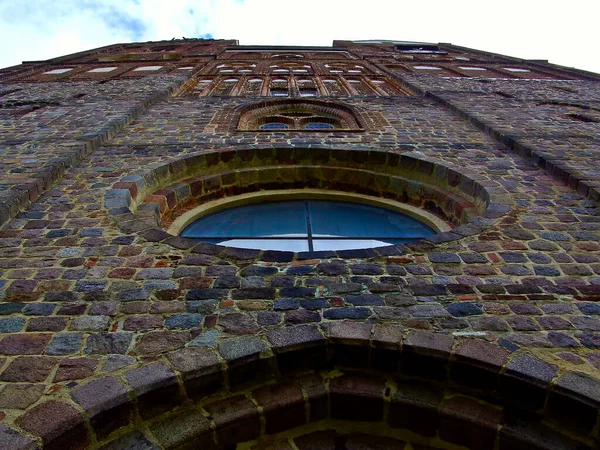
{"x": 47, "y": 128}
{"x": 114, "y": 332}
{"x": 554, "y": 123}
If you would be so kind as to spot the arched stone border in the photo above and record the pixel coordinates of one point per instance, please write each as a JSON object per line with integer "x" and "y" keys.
{"x": 175, "y": 199}
{"x": 181, "y": 218}
{"x": 169, "y": 188}
{"x": 464, "y": 391}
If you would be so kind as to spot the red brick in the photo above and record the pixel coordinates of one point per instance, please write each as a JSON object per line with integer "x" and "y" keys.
{"x": 29, "y": 369}
{"x": 24, "y": 344}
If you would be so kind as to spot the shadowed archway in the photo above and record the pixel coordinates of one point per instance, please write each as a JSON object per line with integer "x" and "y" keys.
{"x": 349, "y": 378}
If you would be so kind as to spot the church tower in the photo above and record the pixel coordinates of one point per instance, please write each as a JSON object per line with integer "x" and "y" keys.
{"x": 373, "y": 245}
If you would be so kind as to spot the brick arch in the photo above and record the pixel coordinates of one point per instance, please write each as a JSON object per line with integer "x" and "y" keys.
{"x": 345, "y": 375}
{"x": 148, "y": 202}
{"x": 252, "y": 116}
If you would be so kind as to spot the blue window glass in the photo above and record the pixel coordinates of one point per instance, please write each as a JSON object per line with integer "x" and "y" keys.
{"x": 318, "y": 126}
{"x": 249, "y": 221}
{"x": 362, "y": 221}
{"x": 279, "y": 92}
{"x": 307, "y": 225}
{"x": 274, "y": 126}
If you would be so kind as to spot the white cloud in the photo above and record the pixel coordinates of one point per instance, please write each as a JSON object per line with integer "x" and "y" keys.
{"x": 536, "y": 29}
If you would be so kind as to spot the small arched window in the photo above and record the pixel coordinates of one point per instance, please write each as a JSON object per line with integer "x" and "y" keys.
{"x": 298, "y": 115}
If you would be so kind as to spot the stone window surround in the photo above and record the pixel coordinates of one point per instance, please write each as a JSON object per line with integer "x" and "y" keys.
{"x": 136, "y": 205}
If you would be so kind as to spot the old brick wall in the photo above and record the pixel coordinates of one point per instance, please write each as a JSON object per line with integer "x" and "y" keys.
{"x": 109, "y": 323}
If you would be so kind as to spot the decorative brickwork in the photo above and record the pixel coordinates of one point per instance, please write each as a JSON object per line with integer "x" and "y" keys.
{"x": 116, "y": 333}
{"x": 297, "y": 114}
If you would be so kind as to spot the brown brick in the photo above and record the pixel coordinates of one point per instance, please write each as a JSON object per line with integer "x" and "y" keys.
{"x": 20, "y": 396}
{"x": 75, "y": 369}
{"x": 283, "y": 406}
{"x": 357, "y": 397}
{"x": 107, "y": 403}
{"x": 477, "y": 365}
{"x": 415, "y": 407}
{"x": 236, "y": 418}
{"x": 469, "y": 423}
{"x": 29, "y": 369}
{"x": 426, "y": 354}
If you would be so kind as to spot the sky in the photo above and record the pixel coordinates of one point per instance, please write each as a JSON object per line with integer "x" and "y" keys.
{"x": 564, "y": 33}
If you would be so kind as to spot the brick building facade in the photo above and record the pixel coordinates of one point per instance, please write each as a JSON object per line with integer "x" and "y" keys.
{"x": 117, "y": 333}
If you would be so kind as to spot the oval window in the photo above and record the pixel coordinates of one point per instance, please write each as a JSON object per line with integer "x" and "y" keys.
{"x": 307, "y": 225}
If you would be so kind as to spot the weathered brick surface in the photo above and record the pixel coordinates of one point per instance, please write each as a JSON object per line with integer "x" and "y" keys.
{"x": 56, "y": 423}
{"x": 95, "y": 167}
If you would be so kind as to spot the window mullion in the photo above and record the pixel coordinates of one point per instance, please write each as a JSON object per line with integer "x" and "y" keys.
{"x": 293, "y": 86}
{"x": 308, "y": 227}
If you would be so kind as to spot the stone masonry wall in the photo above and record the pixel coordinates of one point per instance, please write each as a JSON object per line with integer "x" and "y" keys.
{"x": 107, "y": 330}
{"x": 47, "y": 128}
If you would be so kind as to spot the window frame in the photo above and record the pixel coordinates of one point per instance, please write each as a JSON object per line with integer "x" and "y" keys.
{"x": 426, "y": 217}
{"x": 305, "y": 231}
